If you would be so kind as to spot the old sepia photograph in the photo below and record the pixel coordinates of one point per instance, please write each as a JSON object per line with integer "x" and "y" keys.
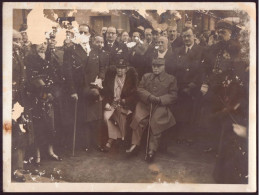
{"x": 129, "y": 97}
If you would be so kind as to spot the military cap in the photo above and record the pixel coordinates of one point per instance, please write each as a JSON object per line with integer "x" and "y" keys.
{"x": 158, "y": 61}
{"x": 224, "y": 24}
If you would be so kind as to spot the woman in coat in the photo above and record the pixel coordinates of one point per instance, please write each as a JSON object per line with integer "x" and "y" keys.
{"x": 119, "y": 93}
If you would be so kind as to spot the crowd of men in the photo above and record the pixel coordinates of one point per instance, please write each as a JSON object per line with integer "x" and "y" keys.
{"x": 115, "y": 86}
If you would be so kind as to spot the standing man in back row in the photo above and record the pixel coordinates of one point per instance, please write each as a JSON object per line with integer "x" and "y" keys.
{"x": 115, "y": 49}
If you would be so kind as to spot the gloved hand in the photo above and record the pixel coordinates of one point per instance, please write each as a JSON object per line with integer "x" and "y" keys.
{"x": 94, "y": 92}
{"x": 123, "y": 102}
{"x": 74, "y": 96}
{"x": 153, "y": 99}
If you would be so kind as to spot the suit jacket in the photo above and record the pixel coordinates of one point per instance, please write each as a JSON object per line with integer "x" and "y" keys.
{"x": 164, "y": 87}
{"x": 128, "y": 91}
{"x": 188, "y": 67}
{"x": 117, "y": 51}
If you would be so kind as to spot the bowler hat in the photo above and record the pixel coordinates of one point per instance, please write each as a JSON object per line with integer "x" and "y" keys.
{"x": 158, "y": 61}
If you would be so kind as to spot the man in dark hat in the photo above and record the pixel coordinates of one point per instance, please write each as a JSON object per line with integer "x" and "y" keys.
{"x": 157, "y": 91}
{"x": 119, "y": 92}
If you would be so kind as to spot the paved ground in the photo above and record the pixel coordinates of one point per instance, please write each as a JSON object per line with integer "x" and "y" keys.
{"x": 185, "y": 162}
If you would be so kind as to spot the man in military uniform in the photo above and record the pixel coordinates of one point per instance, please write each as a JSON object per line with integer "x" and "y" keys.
{"x": 74, "y": 62}
{"x": 19, "y": 134}
{"x": 94, "y": 74}
{"x": 157, "y": 92}
{"x": 115, "y": 49}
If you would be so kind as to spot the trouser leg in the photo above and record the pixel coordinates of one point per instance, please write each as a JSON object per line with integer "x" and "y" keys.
{"x": 138, "y": 132}
{"x": 17, "y": 158}
{"x": 154, "y": 141}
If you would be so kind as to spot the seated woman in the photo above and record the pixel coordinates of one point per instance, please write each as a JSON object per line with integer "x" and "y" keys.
{"x": 119, "y": 92}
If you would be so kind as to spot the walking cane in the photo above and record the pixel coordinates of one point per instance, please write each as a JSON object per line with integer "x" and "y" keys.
{"x": 75, "y": 119}
{"x": 148, "y": 131}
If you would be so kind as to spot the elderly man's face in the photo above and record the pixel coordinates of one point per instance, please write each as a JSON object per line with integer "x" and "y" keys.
{"x": 84, "y": 30}
{"x": 158, "y": 69}
{"x": 162, "y": 44}
{"x": 125, "y": 37}
{"x": 111, "y": 34}
{"x": 224, "y": 34}
{"x": 172, "y": 32}
{"x": 188, "y": 37}
{"x": 148, "y": 35}
{"x": 41, "y": 48}
{"x": 98, "y": 42}
{"x": 136, "y": 37}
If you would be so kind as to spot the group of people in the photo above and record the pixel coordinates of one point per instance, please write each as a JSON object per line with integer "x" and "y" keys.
{"x": 108, "y": 87}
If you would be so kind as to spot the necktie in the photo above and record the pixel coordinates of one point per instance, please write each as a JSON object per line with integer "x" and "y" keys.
{"x": 188, "y": 50}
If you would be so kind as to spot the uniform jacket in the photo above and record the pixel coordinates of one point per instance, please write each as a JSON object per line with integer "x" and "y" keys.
{"x": 129, "y": 90}
{"x": 117, "y": 51}
{"x": 75, "y": 60}
{"x": 164, "y": 87}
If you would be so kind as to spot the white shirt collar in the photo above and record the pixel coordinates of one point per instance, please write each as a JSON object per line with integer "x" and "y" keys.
{"x": 190, "y": 47}
{"x": 162, "y": 55}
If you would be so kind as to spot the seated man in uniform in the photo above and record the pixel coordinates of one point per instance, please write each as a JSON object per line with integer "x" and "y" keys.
{"x": 156, "y": 91}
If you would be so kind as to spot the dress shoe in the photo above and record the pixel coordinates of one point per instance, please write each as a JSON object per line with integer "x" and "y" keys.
{"x": 100, "y": 148}
{"x": 55, "y": 157}
{"x": 37, "y": 162}
{"x": 150, "y": 156}
{"x": 18, "y": 176}
{"x": 132, "y": 150}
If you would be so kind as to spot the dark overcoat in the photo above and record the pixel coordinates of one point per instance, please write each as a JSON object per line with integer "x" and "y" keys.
{"x": 95, "y": 66}
{"x": 164, "y": 87}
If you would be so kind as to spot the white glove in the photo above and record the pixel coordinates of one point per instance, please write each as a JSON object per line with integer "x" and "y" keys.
{"x": 240, "y": 130}
{"x": 204, "y": 89}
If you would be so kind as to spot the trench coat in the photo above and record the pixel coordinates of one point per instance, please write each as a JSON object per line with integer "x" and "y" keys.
{"x": 165, "y": 88}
